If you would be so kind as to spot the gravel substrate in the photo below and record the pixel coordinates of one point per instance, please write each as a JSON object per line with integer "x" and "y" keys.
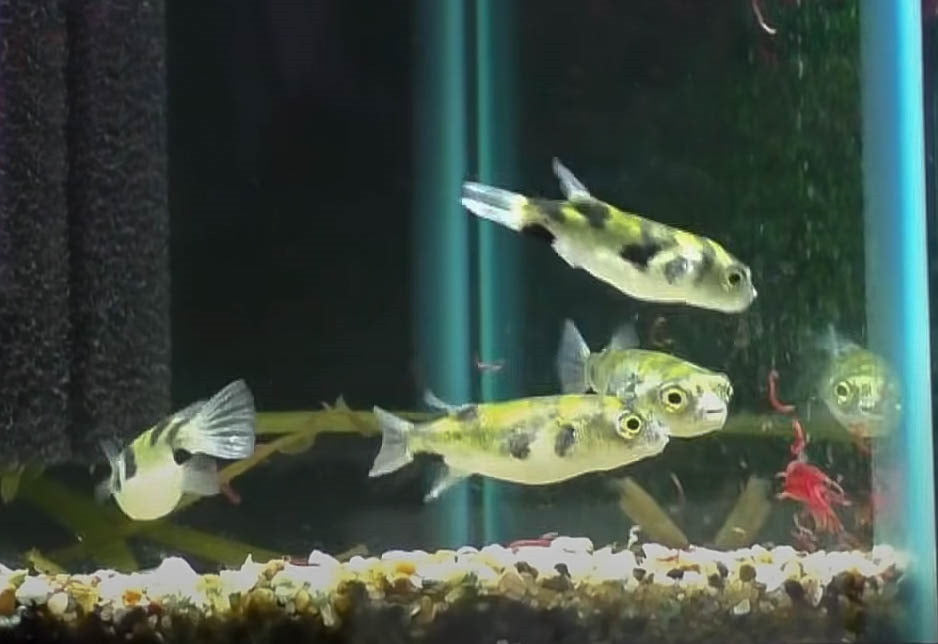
{"x": 564, "y": 592}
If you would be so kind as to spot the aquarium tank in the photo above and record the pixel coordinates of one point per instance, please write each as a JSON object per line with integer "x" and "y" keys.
{"x": 488, "y": 321}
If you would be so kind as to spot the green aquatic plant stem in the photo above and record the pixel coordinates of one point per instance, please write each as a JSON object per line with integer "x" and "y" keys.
{"x": 747, "y": 517}
{"x": 745, "y": 423}
{"x": 103, "y": 530}
{"x": 87, "y": 520}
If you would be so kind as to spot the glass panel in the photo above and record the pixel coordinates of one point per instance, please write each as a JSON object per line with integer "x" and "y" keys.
{"x": 604, "y": 319}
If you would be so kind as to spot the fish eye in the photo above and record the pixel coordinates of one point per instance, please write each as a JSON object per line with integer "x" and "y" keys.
{"x": 674, "y": 398}
{"x": 734, "y": 277}
{"x": 630, "y": 424}
{"x": 842, "y": 392}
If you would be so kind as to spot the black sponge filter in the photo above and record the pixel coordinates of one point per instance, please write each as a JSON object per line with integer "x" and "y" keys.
{"x": 84, "y": 269}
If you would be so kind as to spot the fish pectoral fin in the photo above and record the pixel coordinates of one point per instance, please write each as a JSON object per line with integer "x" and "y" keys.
{"x": 102, "y": 491}
{"x": 435, "y": 402}
{"x": 572, "y": 188}
{"x": 200, "y": 476}
{"x": 449, "y": 477}
{"x": 569, "y": 252}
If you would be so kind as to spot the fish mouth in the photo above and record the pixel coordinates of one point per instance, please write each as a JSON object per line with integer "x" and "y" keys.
{"x": 711, "y": 409}
{"x": 714, "y": 416}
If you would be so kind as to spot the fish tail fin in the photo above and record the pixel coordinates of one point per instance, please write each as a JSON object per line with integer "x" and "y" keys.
{"x": 495, "y": 204}
{"x": 571, "y": 360}
{"x": 223, "y": 427}
{"x": 395, "y": 452}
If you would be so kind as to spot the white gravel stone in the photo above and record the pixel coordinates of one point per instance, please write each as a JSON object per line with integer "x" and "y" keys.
{"x": 656, "y": 551}
{"x": 770, "y": 575}
{"x": 319, "y": 558}
{"x": 742, "y": 608}
{"x": 58, "y": 603}
{"x": 33, "y": 590}
{"x": 609, "y": 566}
{"x": 572, "y": 544}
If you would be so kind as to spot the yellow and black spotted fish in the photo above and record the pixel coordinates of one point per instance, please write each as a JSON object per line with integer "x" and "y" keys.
{"x": 533, "y": 441}
{"x": 641, "y": 258}
{"x": 859, "y": 387}
{"x": 175, "y": 456}
{"x": 689, "y": 399}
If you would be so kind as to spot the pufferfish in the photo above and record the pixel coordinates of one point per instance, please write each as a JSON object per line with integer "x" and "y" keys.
{"x": 642, "y": 258}
{"x": 175, "y": 456}
{"x": 532, "y": 441}
{"x": 859, "y": 387}
{"x": 689, "y": 399}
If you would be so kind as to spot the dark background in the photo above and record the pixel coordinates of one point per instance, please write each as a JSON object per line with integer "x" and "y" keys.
{"x": 292, "y": 182}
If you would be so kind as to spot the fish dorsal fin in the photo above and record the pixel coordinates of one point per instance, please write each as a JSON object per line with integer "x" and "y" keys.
{"x": 832, "y": 342}
{"x": 571, "y": 359}
{"x": 573, "y": 189}
{"x": 624, "y": 337}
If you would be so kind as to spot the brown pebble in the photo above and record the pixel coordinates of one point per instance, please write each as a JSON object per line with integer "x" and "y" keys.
{"x": 638, "y": 573}
{"x": 559, "y": 583}
{"x": 7, "y": 602}
{"x": 132, "y": 597}
{"x": 716, "y": 581}
{"x": 747, "y": 572}
{"x": 523, "y": 566}
{"x": 675, "y": 573}
{"x": 851, "y": 585}
{"x": 795, "y": 590}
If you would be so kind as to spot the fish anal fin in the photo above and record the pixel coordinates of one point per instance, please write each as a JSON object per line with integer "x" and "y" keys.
{"x": 200, "y": 476}
{"x": 447, "y": 479}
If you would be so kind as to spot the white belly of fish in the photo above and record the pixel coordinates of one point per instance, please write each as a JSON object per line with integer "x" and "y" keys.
{"x": 152, "y": 492}
{"x": 542, "y": 465}
{"x": 612, "y": 269}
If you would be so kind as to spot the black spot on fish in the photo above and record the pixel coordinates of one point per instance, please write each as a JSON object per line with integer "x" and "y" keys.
{"x": 467, "y": 412}
{"x": 550, "y": 208}
{"x": 707, "y": 260}
{"x": 639, "y": 254}
{"x": 537, "y": 231}
{"x": 565, "y": 440}
{"x": 159, "y": 429}
{"x": 130, "y": 463}
{"x": 596, "y": 212}
{"x": 181, "y": 456}
{"x": 174, "y": 431}
{"x": 675, "y": 269}
{"x": 519, "y": 445}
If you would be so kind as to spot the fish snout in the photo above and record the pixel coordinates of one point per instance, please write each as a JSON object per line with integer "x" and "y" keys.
{"x": 711, "y": 408}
